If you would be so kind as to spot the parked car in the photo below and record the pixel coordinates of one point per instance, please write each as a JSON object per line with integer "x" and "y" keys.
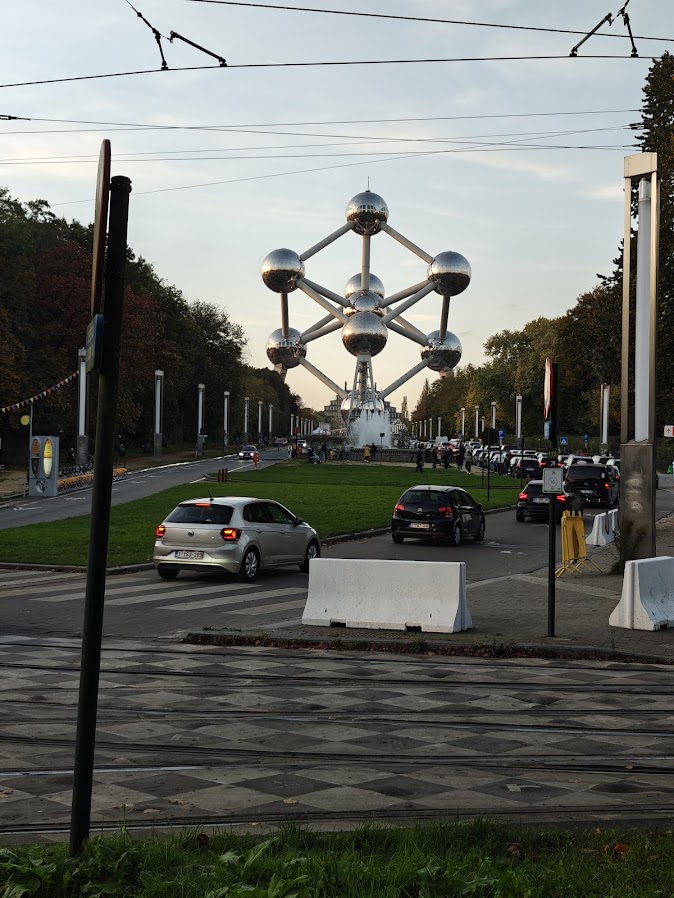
{"x": 526, "y": 466}
{"x": 533, "y": 504}
{"x": 440, "y": 512}
{"x": 247, "y": 451}
{"x": 280, "y": 441}
{"x": 235, "y": 534}
{"x": 592, "y": 483}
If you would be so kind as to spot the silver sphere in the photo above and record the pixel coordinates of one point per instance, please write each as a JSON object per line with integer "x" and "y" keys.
{"x": 364, "y": 301}
{"x": 442, "y": 354}
{"x": 281, "y": 270}
{"x": 366, "y": 212}
{"x": 371, "y": 403}
{"x": 364, "y": 332}
{"x": 353, "y": 286}
{"x": 449, "y": 273}
{"x": 286, "y": 351}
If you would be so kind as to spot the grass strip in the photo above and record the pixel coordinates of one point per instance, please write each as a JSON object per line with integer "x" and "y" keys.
{"x": 481, "y": 859}
{"x": 334, "y": 498}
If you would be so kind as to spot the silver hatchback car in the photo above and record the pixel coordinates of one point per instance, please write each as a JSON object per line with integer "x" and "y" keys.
{"x": 237, "y": 534}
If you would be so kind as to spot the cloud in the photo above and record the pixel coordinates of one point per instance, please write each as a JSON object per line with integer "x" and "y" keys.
{"x": 608, "y": 192}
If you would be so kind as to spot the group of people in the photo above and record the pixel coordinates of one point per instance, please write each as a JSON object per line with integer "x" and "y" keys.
{"x": 438, "y": 455}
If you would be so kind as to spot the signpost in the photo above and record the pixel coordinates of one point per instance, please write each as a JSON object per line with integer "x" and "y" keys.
{"x": 552, "y": 487}
{"x": 563, "y": 441}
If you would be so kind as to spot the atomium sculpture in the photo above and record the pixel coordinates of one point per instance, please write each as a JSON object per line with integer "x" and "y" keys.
{"x": 365, "y": 316}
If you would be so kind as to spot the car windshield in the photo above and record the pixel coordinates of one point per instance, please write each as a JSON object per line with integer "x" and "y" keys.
{"x": 248, "y": 449}
{"x": 533, "y": 489}
{"x": 585, "y": 472}
{"x": 424, "y": 497}
{"x": 201, "y": 514}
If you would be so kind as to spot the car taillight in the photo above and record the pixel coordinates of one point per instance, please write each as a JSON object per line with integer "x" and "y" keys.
{"x": 447, "y": 510}
{"x": 522, "y": 496}
{"x": 160, "y": 531}
{"x": 398, "y": 508}
{"x": 230, "y": 534}
{"x": 560, "y": 497}
{"x": 606, "y": 485}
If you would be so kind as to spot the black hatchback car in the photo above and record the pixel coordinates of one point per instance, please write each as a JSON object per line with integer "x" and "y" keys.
{"x": 438, "y": 512}
{"x": 593, "y": 484}
{"x": 532, "y": 503}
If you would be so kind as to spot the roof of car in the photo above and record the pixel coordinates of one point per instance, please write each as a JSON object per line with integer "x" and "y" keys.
{"x": 224, "y": 500}
{"x": 435, "y": 486}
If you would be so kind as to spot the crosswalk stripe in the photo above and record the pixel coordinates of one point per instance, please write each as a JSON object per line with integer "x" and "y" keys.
{"x": 267, "y": 609}
{"x": 232, "y": 600}
{"x": 179, "y": 593}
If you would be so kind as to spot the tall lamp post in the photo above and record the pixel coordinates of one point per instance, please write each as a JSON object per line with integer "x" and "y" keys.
{"x": 225, "y": 419}
{"x": 82, "y": 438}
{"x": 158, "y": 412}
{"x": 246, "y": 404}
{"x": 518, "y": 421}
{"x": 200, "y": 419}
{"x": 493, "y": 415}
{"x": 259, "y": 420}
{"x": 271, "y": 412}
{"x": 477, "y": 422}
{"x": 463, "y": 423}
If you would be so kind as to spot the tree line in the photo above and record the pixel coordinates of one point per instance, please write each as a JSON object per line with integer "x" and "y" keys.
{"x": 45, "y": 306}
{"x": 586, "y": 341}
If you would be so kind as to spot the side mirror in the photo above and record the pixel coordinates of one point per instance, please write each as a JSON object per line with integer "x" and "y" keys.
{"x": 297, "y": 521}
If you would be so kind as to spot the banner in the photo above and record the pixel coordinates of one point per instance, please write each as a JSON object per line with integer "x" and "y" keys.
{"x": 15, "y": 406}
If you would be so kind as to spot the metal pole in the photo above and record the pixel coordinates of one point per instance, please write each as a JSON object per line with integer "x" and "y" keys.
{"x": 518, "y": 417}
{"x": 225, "y": 419}
{"x": 106, "y": 424}
{"x": 477, "y": 422}
{"x": 642, "y": 397}
{"x": 552, "y": 528}
{"x": 200, "y": 418}
{"x": 158, "y": 412}
{"x": 439, "y": 426}
{"x": 493, "y": 415}
{"x": 82, "y": 439}
{"x": 606, "y": 392}
{"x": 259, "y": 419}
{"x": 463, "y": 423}
{"x": 271, "y": 409}
{"x": 245, "y": 418}
{"x": 365, "y": 264}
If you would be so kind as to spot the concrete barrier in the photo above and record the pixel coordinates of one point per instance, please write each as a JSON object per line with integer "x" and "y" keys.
{"x": 388, "y": 595}
{"x": 603, "y": 529}
{"x": 647, "y": 600}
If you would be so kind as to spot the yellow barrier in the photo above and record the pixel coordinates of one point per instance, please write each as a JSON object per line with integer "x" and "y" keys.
{"x": 574, "y": 547}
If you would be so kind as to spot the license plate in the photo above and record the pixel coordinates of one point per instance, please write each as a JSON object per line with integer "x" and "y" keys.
{"x": 541, "y": 500}
{"x": 586, "y": 492}
{"x": 192, "y": 556}
{"x": 420, "y": 526}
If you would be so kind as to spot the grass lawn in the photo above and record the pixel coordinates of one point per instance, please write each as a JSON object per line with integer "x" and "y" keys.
{"x": 441, "y": 861}
{"x": 334, "y": 498}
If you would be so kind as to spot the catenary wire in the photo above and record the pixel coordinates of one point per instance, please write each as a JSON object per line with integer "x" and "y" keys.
{"x": 425, "y": 19}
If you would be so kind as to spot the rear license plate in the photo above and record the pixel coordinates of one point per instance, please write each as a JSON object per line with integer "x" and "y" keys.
{"x": 420, "y": 526}
{"x": 192, "y": 556}
{"x": 541, "y": 500}
{"x": 586, "y": 492}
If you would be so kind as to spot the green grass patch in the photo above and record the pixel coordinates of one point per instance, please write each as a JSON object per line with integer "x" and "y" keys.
{"x": 480, "y": 859}
{"x": 333, "y": 498}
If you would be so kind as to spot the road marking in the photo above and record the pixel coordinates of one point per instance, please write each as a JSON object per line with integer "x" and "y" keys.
{"x": 267, "y": 609}
{"x": 169, "y": 590}
{"x": 178, "y": 593}
{"x": 231, "y": 600}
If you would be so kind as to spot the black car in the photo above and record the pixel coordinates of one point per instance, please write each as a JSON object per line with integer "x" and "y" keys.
{"x": 438, "y": 512}
{"x": 593, "y": 484}
{"x": 532, "y": 503}
{"x": 527, "y": 466}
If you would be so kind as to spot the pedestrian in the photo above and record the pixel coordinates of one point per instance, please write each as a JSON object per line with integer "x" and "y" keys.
{"x": 468, "y": 460}
{"x": 445, "y": 457}
{"x": 460, "y": 457}
{"x": 434, "y": 458}
{"x": 420, "y": 463}
{"x": 290, "y": 450}
{"x": 366, "y": 453}
{"x": 347, "y": 451}
{"x": 427, "y": 455}
{"x": 373, "y": 450}
{"x": 324, "y": 452}
{"x": 256, "y": 459}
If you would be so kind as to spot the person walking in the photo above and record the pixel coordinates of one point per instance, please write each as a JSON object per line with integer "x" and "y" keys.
{"x": 256, "y": 459}
{"x": 373, "y": 450}
{"x": 468, "y": 460}
{"x": 446, "y": 455}
{"x": 366, "y": 453}
{"x": 460, "y": 457}
{"x": 420, "y": 463}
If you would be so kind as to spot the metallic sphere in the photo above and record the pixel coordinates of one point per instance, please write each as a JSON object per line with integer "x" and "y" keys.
{"x": 366, "y": 213}
{"x": 353, "y": 286}
{"x": 364, "y": 332}
{"x": 364, "y": 301}
{"x": 281, "y": 270}
{"x": 449, "y": 273}
{"x": 286, "y": 351}
{"x": 370, "y": 404}
{"x": 442, "y": 354}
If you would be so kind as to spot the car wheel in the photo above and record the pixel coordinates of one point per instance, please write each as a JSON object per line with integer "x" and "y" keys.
{"x": 397, "y": 538}
{"x": 167, "y": 573}
{"x": 519, "y": 516}
{"x": 479, "y": 536}
{"x": 313, "y": 551}
{"x": 455, "y": 536}
{"x": 249, "y": 566}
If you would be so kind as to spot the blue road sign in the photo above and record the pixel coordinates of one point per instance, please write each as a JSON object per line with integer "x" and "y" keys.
{"x": 563, "y": 441}
{"x": 586, "y": 438}
{"x": 501, "y": 435}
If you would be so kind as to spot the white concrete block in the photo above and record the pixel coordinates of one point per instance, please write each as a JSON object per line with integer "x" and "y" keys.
{"x": 647, "y": 600}
{"x": 604, "y": 528}
{"x": 388, "y": 595}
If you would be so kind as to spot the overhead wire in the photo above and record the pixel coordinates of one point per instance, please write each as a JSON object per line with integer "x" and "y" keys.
{"x": 426, "y": 19}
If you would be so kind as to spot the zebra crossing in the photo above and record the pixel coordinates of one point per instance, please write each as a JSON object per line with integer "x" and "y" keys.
{"x": 140, "y": 601}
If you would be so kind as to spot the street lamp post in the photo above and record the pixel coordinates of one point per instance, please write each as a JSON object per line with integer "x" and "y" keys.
{"x": 246, "y": 404}
{"x": 158, "y": 412}
{"x": 518, "y": 420}
{"x": 225, "y": 419}
{"x": 200, "y": 419}
{"x": 82, "y": 438}
{"x": 463, "y": 423}
{"x": 271, "y": 410}
{"x": 493, "y": 415}
{"x": 259, "y": 420}
{"x": 477, "y": 422}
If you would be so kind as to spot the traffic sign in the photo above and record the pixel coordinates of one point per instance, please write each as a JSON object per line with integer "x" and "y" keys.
{"x": 563, "y": 441}
{"x": 586, "y": 438}
{"x": 552, "y": 480}
{"x": 501, "y": 435}
{"x": 669, "y": 430}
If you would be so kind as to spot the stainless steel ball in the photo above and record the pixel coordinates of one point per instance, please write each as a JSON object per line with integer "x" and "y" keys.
{"x": 442, "y": 353}
{"x": 364, "y": 301}
{"x": 449, "y": 273}
{"x": 281, "y": 270}
{"x": 364, "y": 332}
{"x": 366, "y": 212}
{"x": 370, "y": 403}
{"x": 286, "y": 351}
{"x": 353, "y": 286}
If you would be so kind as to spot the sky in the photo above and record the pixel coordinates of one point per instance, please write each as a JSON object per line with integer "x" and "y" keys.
{"x": 517, "y": 164}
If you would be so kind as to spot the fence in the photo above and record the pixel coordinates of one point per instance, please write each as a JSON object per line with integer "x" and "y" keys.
{"x": 80, "y": 477}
